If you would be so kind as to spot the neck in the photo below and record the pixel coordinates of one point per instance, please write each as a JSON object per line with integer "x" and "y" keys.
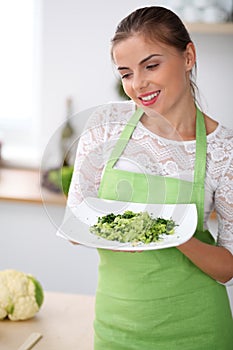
{"x": 180, "y": 125}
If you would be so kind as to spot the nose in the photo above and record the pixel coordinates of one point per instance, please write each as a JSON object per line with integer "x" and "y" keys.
{"x": 139, "y": 82}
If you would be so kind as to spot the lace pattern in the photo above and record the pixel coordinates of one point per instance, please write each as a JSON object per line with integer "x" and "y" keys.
{"x": 149, "y": 153}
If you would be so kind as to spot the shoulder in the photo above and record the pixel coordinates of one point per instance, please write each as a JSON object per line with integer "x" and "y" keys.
{"x": 210, "y": 124}
{"x": 217, "y": 129}
{"x": 115, "y": 111}
{"x": 222, "y": 135}
{"x": 220, "y": 147}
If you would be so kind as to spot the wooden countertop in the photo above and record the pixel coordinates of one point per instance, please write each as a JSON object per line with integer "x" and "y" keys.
{"x": 24, "y": 185}
{"x": 64, "y": 320}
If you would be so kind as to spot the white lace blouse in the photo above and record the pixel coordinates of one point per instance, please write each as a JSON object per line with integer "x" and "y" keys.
{"x": 149, "y": 153}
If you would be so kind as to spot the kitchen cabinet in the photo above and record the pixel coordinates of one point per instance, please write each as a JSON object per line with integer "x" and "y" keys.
{"x": 211, "y": 28}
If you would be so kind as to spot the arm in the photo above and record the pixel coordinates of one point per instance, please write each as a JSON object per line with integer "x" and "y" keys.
{"x": 217, "y": 262}
{"x": 87, "y": 173}
{"x": 94, "y": 149}
{"x": 89, "y": 162}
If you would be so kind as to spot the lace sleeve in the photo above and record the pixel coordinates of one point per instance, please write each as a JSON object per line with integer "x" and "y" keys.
{"x": 89, "y": 161}
{"x": 224, "y": 207}
{"x": 94, "y": 148}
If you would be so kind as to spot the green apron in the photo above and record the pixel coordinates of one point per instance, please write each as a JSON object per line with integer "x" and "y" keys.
{"x": 159, "y": 299}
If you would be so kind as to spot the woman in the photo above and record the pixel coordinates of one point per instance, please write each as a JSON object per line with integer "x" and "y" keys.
{"x": 159, "y": 147}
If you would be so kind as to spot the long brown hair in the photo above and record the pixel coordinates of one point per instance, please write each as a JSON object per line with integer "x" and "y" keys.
{"x": 156, "y": 23}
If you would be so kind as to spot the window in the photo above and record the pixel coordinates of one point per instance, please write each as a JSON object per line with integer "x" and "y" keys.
{"x": 19, "y": 74}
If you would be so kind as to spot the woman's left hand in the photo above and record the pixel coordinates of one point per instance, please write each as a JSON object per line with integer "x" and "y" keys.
{"x": 215, "y": 261}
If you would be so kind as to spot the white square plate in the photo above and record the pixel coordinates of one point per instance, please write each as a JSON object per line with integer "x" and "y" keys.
{"x": 75, "y": 226}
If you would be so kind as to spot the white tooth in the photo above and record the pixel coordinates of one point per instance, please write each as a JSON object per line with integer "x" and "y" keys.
{"x": 147, "y": 98}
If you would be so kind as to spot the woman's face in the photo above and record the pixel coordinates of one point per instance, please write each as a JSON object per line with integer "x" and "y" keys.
{"x": 154, "y": 75}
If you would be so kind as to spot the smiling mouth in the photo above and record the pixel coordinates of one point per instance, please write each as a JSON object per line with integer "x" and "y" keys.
{"x": 149, "y": 97}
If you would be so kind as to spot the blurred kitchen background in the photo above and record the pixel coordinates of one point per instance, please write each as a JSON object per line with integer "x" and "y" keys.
{"x": 55, "y": 63}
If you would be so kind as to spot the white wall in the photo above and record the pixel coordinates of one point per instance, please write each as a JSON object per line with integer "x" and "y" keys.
{"x": 215, "y": 74}
{"x": 28, "y": 242}
{"x": 76, "y": 60}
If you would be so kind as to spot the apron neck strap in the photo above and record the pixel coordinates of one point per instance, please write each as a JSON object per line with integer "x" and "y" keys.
{"x": 124, "y": 138}
{"x": 200, "y": 158}
{"x": 200, "y": 168}
{"x": 201, "y": 147}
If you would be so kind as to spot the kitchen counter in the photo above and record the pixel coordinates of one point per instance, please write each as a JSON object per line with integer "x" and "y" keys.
{"x": 64, "y": 320}
{"x": 23, "y": 185}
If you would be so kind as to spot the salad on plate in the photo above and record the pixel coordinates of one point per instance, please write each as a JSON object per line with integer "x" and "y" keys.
{"x": 133, "y": 227}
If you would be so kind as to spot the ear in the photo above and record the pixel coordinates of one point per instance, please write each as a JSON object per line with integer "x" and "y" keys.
{"x": 190, "y": 56}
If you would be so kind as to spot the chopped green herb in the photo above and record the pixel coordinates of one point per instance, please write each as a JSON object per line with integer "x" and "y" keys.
{"x": 132, "y": 227}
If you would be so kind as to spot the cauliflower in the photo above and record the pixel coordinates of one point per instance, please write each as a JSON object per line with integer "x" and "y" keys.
{"x": 21, "y": 295}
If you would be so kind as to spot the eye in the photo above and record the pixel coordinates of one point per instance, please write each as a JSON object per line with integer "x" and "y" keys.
{"x": 126, "y": 76}
{"x": 152, "y": 66}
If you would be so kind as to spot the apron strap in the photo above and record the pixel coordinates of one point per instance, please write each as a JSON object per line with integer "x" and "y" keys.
{"x": 200, "y": 158}
{"x": 201, "y": 147}
{"x": 124, "y": 138}
{"x": 200, "y": 168}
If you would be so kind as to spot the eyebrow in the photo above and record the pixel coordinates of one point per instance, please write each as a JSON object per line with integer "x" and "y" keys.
{"x": 142, "y": 61}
